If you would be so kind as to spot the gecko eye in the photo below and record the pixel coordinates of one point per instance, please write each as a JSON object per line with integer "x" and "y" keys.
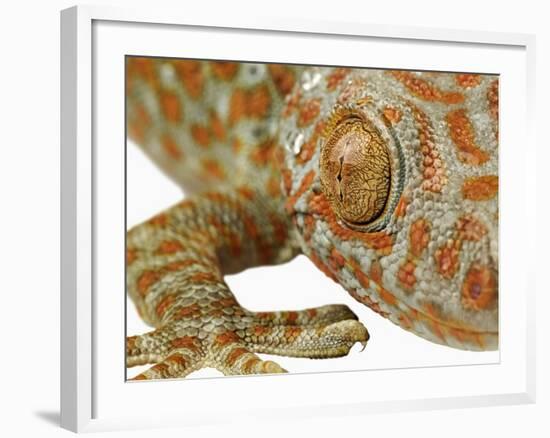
{"x": 355, "y": 170}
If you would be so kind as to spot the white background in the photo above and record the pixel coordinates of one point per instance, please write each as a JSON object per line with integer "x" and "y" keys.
{"x": 29, "y": 181}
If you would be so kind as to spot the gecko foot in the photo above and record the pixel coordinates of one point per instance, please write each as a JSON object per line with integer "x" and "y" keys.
{"x": 229, "y": 340}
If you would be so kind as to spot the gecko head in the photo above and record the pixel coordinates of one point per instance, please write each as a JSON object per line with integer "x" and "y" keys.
{"x": 384, "y": 207}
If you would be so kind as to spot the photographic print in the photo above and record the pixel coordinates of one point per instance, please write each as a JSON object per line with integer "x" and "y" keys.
{"x": 366, "y": 198}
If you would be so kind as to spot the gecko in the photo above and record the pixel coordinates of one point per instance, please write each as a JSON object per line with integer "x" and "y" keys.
{"x": 385, "y": 179}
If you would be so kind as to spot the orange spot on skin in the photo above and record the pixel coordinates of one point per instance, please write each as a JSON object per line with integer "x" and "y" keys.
{"x": 406, "y": 275}
{"x": 170, "y": 106}
{"x": 237, "y": 106}
{"x": 379, "y": 241}
{"x": 159, "y": 220}
{"x": 283, "y": 78}
{"x": 246, "y": 192}
{"x": 171, "y": 147}
{"x": 187, "y": 311}
{"x": 226, "y": 338}
{"x": 292, "y": 332}
{"x": 204, "y": 277}
{"x": 201, "y": 135}
{"x": 265, "y": 315}
{"x": 235, "y": 354}
{"x": 252, "y": 103}
{"x": 213, "y": 169}
{"x": 336, "y": 77}
{"x": 468, "y": 80}
{"x": 469, "y": 228}
{"x": 191, "y": 76}
{"x": 287, "y": 181}
{"x": 261, "y": 330}
{"x": 419, "y": 237}
{"x": 146, "y": 280}
{"x": 462, "y": 134}
{"x": 216, "y": 124}
{"x": 259, "y": 101}
{"x": 434, "y": 171}
{"x": 273, "y": 187}
{"x": 375, "y": 272}
{"x": 263, "y": 153}
{"x": 401, "y": 208}
{"x": 143, "y": 68}
{"x": 161, "y": 368}
{"x": 224, "y": 70}
{"x": 447, "y": 258}
{"x": 480, "y": 188}
{"x": 177, "y": 359}
{"x": 141, "y": 121}
{"x": 387, "y": 297}
{"x": 164, "y": 304}
{"x": 479, "y": 290}
{"x": 360, "y": 276}
{"x": 312, "y": 313}
{"x": 291, "y": 317}
{"x": 337, "y": 259}
{"x": 187, "y": 342}
{"x": 308, "y": 112}
{"x": 131, "y": 256}
{"x": 424, "y": 89}
{"x": 393, "y": 115}
{"x": 225, "y": 302}
{"x": 169, "y": 247}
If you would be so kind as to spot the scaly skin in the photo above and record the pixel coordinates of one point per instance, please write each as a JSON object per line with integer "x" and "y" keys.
{"x": 386, "y": 180}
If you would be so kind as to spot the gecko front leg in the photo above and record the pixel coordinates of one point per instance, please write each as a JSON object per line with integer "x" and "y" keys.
{"x": 175, "y": 267}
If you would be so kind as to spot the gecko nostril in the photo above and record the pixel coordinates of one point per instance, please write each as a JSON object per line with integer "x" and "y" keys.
{"x": 480, "y": 289}
{"x": 475, "y": 291}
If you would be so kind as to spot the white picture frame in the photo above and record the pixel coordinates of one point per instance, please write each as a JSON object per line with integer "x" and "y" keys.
{"x": 91, "y": 393}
